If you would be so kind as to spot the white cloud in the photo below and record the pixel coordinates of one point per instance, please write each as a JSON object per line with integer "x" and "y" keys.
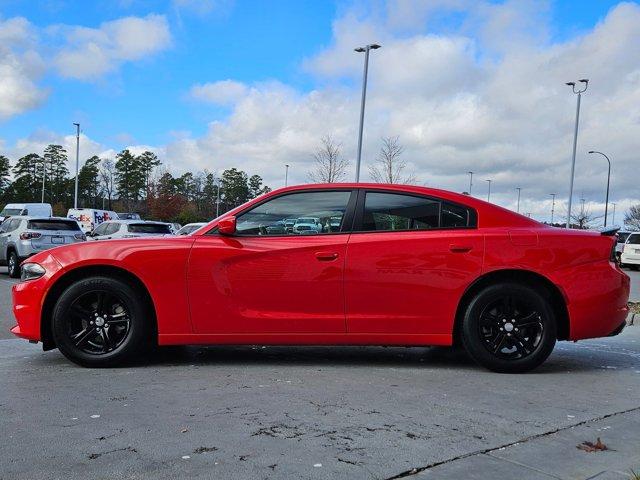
{"x": 89, "y": 53}
{"x": 223, "y": 92}
{"x": 203, "y": 7}
{"x": 20, "y": 69}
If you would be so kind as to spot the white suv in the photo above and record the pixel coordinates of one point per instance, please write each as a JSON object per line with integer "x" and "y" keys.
{"x": 129, "y": 229}
{"x": 631, "y": 252}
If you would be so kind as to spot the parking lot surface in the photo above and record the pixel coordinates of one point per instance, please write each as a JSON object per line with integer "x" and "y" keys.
{"x": 319, "y": 412}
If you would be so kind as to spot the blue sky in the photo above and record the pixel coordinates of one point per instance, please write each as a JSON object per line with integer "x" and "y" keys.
{"x": 246, "y": 40}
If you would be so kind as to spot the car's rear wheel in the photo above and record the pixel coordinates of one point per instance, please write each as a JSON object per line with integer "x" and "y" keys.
{"x": 100, "y": 322}
{"x": 13, "y": 264}
{"x": 509, "y": 328}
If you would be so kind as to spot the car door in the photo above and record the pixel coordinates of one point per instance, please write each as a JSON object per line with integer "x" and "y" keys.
{"x": 5, "y": 230}
{"x": 409, "y": 259}
{"x": 267, "y": 279}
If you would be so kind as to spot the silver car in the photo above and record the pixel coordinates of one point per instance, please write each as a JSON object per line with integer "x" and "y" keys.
{"x": 129, "y": 229}
{"x": 21, "y": 237}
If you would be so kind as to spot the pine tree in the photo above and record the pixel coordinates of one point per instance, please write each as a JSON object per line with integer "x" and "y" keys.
{"x": 5, "y": 171}
{"x": 89, "y": 183}
{"x": 28, "y": 178}
{"x": 55, "y": 158}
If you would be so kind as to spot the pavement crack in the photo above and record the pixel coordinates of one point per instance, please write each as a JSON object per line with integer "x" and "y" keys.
{"x": 93, "y": 456}
{"x": 416, "y": 470}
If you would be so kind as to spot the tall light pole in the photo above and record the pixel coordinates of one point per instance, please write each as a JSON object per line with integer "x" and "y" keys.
{"x": 75, "y": 197}
{"x": 470, "y": 181}
{"x": 518, "y": 207}
{"x": 44, "y": 175}
{"x": 606, "y": 202}
{"x": 218, "y": 198}
{"x": 613, "y": 220}
{"x": 286, "y": 174}
{"x": 578, "y": 92}
{"x": 366, "y": 50}
{"x": 553, "y": 205}
{"x": 489, "y": 192}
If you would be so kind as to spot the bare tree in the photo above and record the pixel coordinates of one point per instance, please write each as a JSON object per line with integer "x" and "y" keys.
{"x": 107, "y": 178}
{"x": 330, "y": 166}
{"x": 632, "y": 217}
{"x": 583, "y": 219}
{"x": 390, "y": 166}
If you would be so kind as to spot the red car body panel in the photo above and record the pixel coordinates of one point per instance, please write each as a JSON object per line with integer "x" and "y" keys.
{"x": 392, "y": 288}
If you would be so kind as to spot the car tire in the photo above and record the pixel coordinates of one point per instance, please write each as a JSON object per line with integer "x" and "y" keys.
{"x": 101, "y": 322}
{"x": 509, "y": 328}
{"x": 13, "y": 265}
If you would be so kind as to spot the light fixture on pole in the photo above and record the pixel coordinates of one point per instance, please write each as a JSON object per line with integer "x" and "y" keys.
{"x": 553, "y": 205}
{"x": 286, "y": 175}
{"x": 518, "y": 207}
{"x": 578, "y": 92}
{"x": 489, "y": 192}
{"x": 364, "y": 50}
{"x": 606, "y": 202}
{"x": 470, "y": 181}
{"x": 75, "y": 197}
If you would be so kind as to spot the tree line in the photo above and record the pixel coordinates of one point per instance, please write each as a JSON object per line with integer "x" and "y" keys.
{"x": 128, "y": 183}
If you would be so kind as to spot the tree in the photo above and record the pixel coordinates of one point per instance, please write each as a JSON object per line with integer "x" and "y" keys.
{"x": 129, "y": 178}
{"x": 55, "y": 159}
{"x": 108, "y": 179}
{"x": 330, "y": 166}
{"x": 27, "y": 173}
{"x": 234, "y": 188}
{"x": 5, "y": 171}
{"x": 89, "y": 183}
{"x": 256, "y": 188}
{"x": 583, "y": 218}
{"x": 390, "y": 165}
{"x": 147, "y": 161}
{"x": 632, "y": 217}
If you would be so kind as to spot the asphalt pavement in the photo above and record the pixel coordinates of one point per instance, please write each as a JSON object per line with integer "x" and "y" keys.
{"x": 320, "y": 412}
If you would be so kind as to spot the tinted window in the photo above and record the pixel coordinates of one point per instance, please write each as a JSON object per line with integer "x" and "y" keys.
{"x": 7, "y": 212}
{"x": 634, "y": 239}
{"x": 52, "y": 225}
{"x": 391, "y": 211}
{"x": 622, "y": 236}
{"x": 455, "y": 216}
{"x": 307, "y": 213}
{"x": 155, "y": 228}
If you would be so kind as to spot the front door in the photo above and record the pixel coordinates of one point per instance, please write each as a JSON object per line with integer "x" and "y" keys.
{"x": 282, "y": 272}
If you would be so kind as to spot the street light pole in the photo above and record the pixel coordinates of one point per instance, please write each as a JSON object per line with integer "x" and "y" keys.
{"x": 578, "y": 92}
{"x": 286, "y": 175}
{"x": 613, "y": 220}
{"x": 489, "y": 192}
{"x": 366, "y": 50}
{"x": 218, "y": 199}
{"x": 553, "y": 205}
{"x": 518, "y": 207}
{"x": 75, "y": 197}
{"x": 606, "y": 202}
{"x": 44, "y": 175}
{"x": 470, "y": 181}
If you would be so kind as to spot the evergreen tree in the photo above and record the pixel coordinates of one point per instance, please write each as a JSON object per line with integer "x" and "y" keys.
{"x": 5, "y": 171}
{"x": 27, "y": 173}
{"x": 89, "y": 183}
{"x": 255, "y": 186}
{"x": 128, "y": 177}
{"x": 234, "y": 188}
{"x": 147, "y": 161}
{"x": 55, "y": 159}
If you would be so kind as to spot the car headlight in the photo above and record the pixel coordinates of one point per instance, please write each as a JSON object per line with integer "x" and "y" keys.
{"x": 31, "y": 271}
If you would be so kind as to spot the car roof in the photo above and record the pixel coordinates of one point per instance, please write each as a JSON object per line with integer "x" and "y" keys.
{"x": 127, "y": 221}
{"x": 29, "y": 217}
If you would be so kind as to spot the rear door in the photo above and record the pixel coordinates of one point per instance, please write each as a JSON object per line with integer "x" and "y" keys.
{"x": 409, "y": 259}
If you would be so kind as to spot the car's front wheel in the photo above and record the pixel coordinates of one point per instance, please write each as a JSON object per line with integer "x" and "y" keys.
{"x": 509, "y": 328}
{"x": 100, "y": 322}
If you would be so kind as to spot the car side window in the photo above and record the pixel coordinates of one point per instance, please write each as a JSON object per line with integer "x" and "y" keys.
{"x": 13, "y": 225}
{"x": 392, "y": 211}
{"x": 112, "y": 228}
{"x": 100, "y": 229}
{"x": 304, "y": 213}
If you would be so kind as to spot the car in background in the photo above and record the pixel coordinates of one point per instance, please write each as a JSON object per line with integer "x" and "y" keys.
{"x": 129, "y": 216}
{"x": 175, "y": 227}
{"x": 621, "y": 237}
{"x": 410, "y": 266}
{"x": 190, "y": 228}
{"x": 630, "y": 256}
{"x": 26, "y": 209}
{"x": 307, "y": 226}
{"x": 129, "y": 229}
{"x": 21, "y": 237}
{"x": 90, "y": 218}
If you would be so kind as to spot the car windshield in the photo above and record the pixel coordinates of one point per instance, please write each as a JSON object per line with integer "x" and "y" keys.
{"x": 67, "y": 225}
{"x": 7, "y": 212}
{"x": 156, "y": 228}
{"x": 634, "y": 239}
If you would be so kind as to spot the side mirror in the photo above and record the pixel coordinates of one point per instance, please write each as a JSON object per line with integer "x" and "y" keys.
{"x": 227, "y": 226}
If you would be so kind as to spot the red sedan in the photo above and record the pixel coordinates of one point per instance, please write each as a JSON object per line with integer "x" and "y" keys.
{"x": 336, "y": 264}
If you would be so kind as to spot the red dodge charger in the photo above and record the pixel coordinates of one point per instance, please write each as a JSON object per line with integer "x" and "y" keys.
{"x": 335, "y": 264}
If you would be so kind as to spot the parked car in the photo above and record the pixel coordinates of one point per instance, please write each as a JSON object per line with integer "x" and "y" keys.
{"x": 30, "y": 209}
{"x": 630, "y": 256}
{"x": 129, "y": 216}
{"x": 306, "y": 225}
{"x": 175, "y": 227}
{"x": 622, "y": 236}
{"x": 190, "y": 228}
{"x": 129, "y": 229}
{"x": 90, "y": 218}
{"x": 410, "y": 266}
{"x": 21, "y": 237}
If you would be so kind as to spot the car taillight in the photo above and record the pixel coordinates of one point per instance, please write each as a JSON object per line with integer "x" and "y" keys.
{"x": 29, "y": 235}
{"x": 80, "y": 236}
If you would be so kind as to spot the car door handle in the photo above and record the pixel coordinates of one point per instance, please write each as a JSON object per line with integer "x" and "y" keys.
{"x": 326, "y": 256}
{"x": 455, "y": 248}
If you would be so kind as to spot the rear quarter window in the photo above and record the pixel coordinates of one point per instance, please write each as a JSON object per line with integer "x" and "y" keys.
{"x": 66, "y": 225}
{"x": 634, "y": 239}
{"x": 149, "y": 228}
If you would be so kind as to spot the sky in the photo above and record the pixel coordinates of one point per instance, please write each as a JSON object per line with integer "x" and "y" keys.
{"x": 212, "y": 84}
